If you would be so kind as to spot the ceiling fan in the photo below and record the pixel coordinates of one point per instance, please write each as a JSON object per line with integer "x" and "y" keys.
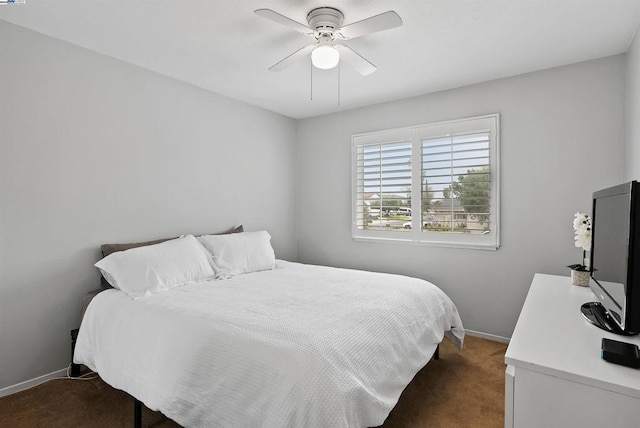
{"x": 325, "y": 25}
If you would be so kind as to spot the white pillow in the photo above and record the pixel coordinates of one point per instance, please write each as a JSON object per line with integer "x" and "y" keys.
{"x": 146, "y": 270}
{"x": 239, "y": 253}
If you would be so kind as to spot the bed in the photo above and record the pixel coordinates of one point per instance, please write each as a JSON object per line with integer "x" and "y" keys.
{"x": 290, "y": 346}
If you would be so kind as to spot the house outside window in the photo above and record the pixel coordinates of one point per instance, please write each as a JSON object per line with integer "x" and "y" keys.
{"x": 435, "y": 184}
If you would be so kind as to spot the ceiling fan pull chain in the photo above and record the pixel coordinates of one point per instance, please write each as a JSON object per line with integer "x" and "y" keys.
{"x": 339, "y": 84}
{"x": 311, "y": 83}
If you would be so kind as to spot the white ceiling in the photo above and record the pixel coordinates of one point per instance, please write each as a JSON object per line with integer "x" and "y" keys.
{"x": 222, "y": 46}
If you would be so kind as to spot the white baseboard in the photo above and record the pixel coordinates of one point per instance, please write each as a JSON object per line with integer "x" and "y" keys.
{"x": 487, "y": 336}
{"x": 62, "y": 373}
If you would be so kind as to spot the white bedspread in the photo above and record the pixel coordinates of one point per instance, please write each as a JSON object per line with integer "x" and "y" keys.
{"x": 298, "y": 346}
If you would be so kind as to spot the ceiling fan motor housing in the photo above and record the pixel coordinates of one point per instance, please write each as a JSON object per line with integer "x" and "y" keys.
{"x": 325, "y": 21}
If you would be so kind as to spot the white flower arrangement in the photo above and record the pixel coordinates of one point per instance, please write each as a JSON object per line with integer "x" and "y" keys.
{"x": 582, "y": 229}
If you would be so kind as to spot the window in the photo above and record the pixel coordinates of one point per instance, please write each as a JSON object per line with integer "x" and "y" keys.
{"x": 435, "y": 184}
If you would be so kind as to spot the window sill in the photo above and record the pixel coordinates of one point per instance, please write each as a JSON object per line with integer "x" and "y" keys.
{"x": 468, "y": 246}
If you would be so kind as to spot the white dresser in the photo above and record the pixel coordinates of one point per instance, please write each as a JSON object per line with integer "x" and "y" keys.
{"x": 555, "y": 376}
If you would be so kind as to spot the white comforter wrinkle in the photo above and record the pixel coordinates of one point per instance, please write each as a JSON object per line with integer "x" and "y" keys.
{"x": 299, "y": 346}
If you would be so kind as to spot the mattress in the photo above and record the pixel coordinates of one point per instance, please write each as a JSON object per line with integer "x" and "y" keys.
{"x": 296, "y": 346}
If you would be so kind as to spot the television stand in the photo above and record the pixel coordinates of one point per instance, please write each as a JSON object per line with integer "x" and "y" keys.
{"x": 597, "y": 315}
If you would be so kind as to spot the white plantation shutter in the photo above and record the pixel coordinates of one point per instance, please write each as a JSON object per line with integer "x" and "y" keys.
{"x": 383, "y": 182}
{"x": 434, "y": 184}
{"x": 456, "y": 171}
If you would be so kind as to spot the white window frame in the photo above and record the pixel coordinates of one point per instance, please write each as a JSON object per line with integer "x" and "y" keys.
{"x": 489, "y": 241}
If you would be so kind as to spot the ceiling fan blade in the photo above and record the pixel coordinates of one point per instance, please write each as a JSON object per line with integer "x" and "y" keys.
{"x": 383, "y": 21}
{"x": 354, "y": 60}
{"x": 292, "y": 58}
{"x": 283, "y": 20}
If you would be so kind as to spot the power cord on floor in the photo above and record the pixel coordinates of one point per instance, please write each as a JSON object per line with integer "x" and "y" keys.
{"x": 91, "y": 375}
{"x": 85, "y": 376}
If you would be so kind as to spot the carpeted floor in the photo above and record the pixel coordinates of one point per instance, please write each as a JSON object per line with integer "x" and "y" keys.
{"x": 462, "y": 389}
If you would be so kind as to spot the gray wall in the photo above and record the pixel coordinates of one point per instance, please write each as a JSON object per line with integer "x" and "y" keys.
{"x": 561, "y": 138}
{"x": 633, "y": 109}
{"x": 93, "y": 150}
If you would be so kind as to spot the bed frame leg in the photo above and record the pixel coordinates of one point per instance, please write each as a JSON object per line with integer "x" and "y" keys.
{"x": 436, "y": 355}
{"x": 75, "y": 368}
{"x": 137, "y": 414}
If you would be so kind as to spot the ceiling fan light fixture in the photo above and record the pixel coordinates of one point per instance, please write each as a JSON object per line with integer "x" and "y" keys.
{"x": 325, "y": 57}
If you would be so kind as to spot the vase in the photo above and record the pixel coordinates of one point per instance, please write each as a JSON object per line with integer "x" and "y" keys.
{"x": 580, "y": 277}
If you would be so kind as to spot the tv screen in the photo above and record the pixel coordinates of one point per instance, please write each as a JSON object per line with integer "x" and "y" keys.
{"x": 613, "y": 259}
{"x": 610, "y": 250}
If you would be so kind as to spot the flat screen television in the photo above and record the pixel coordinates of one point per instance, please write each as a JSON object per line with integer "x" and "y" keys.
{"x": 615, "y": 260}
